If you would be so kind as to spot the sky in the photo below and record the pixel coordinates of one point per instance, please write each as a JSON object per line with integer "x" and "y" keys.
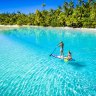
{"x": 29, "y": 6}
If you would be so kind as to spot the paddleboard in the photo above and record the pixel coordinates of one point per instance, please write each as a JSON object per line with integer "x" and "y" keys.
{"x": 62, "y": 58}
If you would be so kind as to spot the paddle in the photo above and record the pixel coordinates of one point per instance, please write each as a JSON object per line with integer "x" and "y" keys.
{"x": 53, "y": 51}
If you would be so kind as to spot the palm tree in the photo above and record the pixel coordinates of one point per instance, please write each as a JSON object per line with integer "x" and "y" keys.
{"x": 59, "y": 8}
{"x": 81, "y": 2}
{"x": 18, "y": 12}
{"x": 65, "y": 6}
{"x": 89, "y": 1}
{"x": 43, "y": 5}
{"x": 71, "y": 4}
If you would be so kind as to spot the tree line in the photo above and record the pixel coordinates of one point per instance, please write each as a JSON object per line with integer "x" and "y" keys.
{"x": 82, "y": 15}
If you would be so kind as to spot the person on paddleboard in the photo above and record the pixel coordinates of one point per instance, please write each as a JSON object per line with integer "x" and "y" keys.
{"x": 69, "y": 55}
{"x": 61, "y": 45}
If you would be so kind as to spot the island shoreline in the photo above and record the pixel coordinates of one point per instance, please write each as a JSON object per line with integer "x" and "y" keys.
{"x": 5, "y": 27}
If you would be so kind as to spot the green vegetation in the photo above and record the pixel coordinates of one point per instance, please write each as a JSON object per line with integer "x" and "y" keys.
{"x": 83, "y": 15}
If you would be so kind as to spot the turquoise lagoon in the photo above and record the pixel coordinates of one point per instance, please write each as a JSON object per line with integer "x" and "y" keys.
{"x": 26, "y": 69}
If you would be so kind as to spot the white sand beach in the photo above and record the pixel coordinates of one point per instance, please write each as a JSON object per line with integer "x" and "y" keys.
{"x": 5, "y": 27}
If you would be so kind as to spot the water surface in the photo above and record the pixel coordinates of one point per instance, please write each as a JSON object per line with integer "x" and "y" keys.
{"x": 26, "y": 69}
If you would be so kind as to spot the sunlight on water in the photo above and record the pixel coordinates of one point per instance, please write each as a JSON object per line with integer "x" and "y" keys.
{"x": 26, "y": 69}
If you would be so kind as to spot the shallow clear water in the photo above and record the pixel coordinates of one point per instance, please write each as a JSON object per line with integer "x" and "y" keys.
{"x": 26, "y": 69}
